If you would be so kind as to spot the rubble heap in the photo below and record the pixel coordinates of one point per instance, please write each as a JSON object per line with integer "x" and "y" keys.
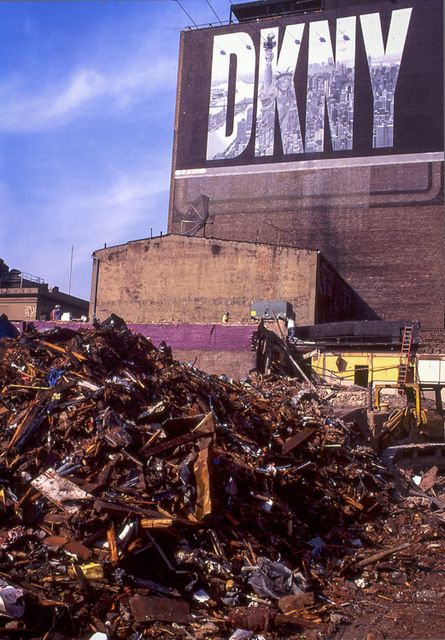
{"x": 139, "y": 495}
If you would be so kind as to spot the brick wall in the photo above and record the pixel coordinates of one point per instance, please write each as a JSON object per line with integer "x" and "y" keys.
{"x": 29, "y": 303}
{"x": 196, "y": 280}
{"x": 380, "y": 226}
{"x": 432, "y": 341}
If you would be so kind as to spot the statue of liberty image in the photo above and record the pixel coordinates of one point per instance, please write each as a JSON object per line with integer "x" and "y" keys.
{"x": 266, "y": 98}
{"x": 277, "y": 88}
{"x": 287, "y": 112}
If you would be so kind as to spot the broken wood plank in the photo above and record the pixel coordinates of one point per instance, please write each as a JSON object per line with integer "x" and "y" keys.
{"x": 382, "y": 554}
{"x": 112, "y": 544}
{"x": 156, "y": 523}
{"x": 56, "y": 347}
{"x": 201, "y": 468}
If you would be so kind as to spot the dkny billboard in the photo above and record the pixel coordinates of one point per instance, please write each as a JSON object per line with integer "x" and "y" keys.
{"x": 363, "y": 80}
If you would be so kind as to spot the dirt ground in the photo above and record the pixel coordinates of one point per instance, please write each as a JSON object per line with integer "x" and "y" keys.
{"x": 414, "y": 609}
{"x": 401, "y": 597}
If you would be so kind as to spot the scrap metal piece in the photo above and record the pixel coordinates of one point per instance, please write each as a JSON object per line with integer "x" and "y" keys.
{"x": 251, "y": 618}
{"x": 11, "y": 601}
{"x": 201, "y": 468}
{"x": 156, "y": 523}
{"x": 382, "y": 554}
{"x": 146, "y": 608}
{"x": 429, "y": 479}
{"x": 11, "y": 536}
{"x": 272, "y": 579}
{"x": 294, "y": 441}
{"x": 112, "y": 544}
{"x": 91, "y": 570}
{"x": 60, "y": 490}
{"x": 296, "y": 602}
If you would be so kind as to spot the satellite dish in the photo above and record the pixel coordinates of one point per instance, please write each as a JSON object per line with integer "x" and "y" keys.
{"x": 195, "y": 219}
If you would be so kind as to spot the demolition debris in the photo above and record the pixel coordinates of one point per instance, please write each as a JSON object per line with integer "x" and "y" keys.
{"x": 140, "y": 497}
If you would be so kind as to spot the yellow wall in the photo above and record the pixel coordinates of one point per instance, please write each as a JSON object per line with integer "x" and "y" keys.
{"x": 340, "y": 367}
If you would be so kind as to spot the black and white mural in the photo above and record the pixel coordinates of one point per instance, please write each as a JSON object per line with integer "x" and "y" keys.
{"x": 333, "y": 84}
{"x": 384, "y": 66}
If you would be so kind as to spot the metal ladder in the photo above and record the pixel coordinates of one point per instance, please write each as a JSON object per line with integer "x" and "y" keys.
{"x": 405, "y": 352}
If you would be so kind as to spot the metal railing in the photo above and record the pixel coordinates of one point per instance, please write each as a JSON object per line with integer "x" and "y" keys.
{"x": 19, "y": 279}
{"x": 29, "y": 276}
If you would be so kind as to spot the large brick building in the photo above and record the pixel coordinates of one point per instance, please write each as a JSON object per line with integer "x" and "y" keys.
{"x": 359, "y": 176}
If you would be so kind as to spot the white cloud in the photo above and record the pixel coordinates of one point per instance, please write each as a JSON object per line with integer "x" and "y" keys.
{"x": 108, "y": 211}
{"x": 86, "y": 85}
{"x": 85, "y": 89}
{"x": 73, "y": 215}
{"x": 117, "y": 188}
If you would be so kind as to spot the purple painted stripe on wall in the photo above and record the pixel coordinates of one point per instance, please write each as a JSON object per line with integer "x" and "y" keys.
{"x": 205, "y": 337}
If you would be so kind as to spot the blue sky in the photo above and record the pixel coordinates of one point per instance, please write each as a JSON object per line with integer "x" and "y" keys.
{"x": 87, "y": 99}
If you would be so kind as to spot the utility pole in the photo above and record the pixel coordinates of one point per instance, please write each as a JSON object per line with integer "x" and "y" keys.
{"x": 71, "y": 268}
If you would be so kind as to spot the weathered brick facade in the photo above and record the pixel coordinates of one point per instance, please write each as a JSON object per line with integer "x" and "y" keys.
{"x": 375, "y": 211}
{"x": 381, "y": 227}
{"x": 179, "y": 279}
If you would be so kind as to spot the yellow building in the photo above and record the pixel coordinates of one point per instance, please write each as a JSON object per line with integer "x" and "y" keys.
{"x": 360, "y": 368}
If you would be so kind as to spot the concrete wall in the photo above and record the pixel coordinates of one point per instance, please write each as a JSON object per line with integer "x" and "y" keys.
{"x": 233, "y": 364}
{"x": 180, "y": 279}
{"x": 379, "y": 222}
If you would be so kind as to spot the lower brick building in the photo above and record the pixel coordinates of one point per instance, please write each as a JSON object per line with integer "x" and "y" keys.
{"x": 182, "y": 279}
{"x": 24, "y": 297}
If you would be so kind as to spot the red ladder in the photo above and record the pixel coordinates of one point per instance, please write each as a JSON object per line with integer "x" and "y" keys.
{"x": 405, "y": 352}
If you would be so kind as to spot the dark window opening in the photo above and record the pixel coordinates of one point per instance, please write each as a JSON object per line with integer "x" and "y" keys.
{"x": 361, "y": 375}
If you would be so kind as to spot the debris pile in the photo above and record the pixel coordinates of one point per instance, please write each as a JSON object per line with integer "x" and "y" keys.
{"x": 347, "y": 396}
{"x": 398, "y": 592}
{"x": 141, "y": 496}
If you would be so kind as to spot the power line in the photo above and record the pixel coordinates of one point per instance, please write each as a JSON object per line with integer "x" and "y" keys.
{"x": 252, "y": 27}
{"x": 187, "y": 14}
{"x": 214, "y": 12}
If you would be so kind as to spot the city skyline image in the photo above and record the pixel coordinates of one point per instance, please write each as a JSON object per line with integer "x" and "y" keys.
{"x": 330, "y": 84}
{"x": 256, "y": 77}
{"x": 384, "y": 66}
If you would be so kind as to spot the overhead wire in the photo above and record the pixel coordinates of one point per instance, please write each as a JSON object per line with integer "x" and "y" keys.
{"x": 252, "y": 27}
{"x": 214, "y": 12}
{"x": 186, "y": 13}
